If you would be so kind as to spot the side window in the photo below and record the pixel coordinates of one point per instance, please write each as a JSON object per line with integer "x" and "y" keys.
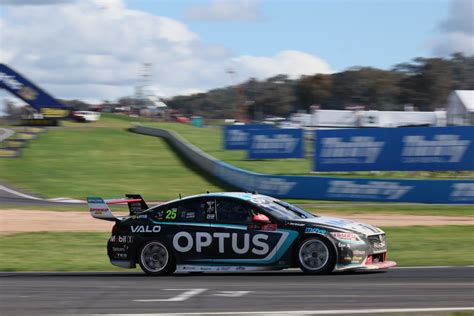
{"x": 230, "y": 211}
{"x": 188, "y": 211}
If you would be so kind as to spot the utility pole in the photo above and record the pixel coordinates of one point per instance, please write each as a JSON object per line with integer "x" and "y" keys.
{"x": 242, "y": 104}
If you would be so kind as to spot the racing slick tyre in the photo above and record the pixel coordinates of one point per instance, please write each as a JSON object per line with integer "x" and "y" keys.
{"x": 155, "y": 258}
{"x": 316, "y": 256}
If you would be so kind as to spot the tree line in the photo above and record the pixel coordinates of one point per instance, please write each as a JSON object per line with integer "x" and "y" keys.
{"x": 423, "y": 83}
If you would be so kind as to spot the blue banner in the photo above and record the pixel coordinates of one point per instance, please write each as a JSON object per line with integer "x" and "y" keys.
{"x": 405, "y": 149}
{"x": 348, "y": 189}
{"x": 276, "y": 143}
{"x": 324, "y": 188}
{"x": 24, "y": 89}
{"x": 237, "y": 136}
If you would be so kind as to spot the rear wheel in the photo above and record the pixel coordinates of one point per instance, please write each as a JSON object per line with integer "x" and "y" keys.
{"x": 316, "y": 256}
{"x": 156, "y": 259}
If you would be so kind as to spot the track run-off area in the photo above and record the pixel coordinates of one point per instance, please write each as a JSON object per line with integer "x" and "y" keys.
{"x": 407, "y": 290}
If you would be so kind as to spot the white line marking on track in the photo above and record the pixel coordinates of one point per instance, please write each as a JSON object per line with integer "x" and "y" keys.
{"x": 232, "y": 293}
{"x": 26, "y": 196}
{"x": 320, "y": 312}
{"x": 178, "y": 298}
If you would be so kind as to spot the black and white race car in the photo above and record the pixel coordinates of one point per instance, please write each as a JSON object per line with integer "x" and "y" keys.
{"x": 236, "y": 232}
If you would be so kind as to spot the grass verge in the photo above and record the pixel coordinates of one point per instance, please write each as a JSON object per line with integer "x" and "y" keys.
{"x": 322, "y": 209}
{"x": 78, "y": 162}
{"x": 409, "y": 246}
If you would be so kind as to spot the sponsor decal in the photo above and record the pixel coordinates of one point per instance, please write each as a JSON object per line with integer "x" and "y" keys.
{"x": 27, "y": 93}
{"x": 462, "y": 191}
{"x": 295, "y": 224}
{"x": 95, "y": 200}
{"x": 121, "y": 255}
{"x": 348, "y": 238}
{"x": 359, "y": 149}
{"x": 54, "y": 112}
{"x": 280, "y": 143}
{"x": 10, "y": 81}
{"x": 443, "y": 148}
{"x": 185, "y": 242}
{"x": 343, "y": 245}
{"x": 120, "y": 249}
{"x": 237, "y": 136}
{"x": 358, "y": 252}
{"x": 379, "y": 245}
{"x": 99, "y": 211}
{"x": 121, "y": 239}
{"x": 145, "y": 229}
{"x": 274, "y": 186}
{"x": 315, "y": 230}
{"x": 372, "y": 190}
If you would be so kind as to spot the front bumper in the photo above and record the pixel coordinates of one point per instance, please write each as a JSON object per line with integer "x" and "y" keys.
{"x": 372, "y": 266}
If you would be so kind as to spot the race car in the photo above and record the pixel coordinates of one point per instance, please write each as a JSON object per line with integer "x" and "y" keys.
{"x": 236, "y": 231}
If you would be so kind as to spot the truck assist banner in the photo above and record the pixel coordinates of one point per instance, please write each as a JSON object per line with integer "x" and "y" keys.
{"x": 406, "y": 149}
{"x": 24, "y": 89}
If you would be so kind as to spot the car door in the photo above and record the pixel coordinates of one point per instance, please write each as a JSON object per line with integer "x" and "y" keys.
{"x": 188, "y": 230}
{"x": 241, "y": 241}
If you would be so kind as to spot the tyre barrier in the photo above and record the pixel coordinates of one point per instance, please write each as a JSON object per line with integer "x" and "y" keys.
{"x": 320, "y": 188}
{"x": 11, "y": 146}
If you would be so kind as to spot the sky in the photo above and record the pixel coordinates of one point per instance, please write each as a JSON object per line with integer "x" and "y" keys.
{"x": 94, "y": 50}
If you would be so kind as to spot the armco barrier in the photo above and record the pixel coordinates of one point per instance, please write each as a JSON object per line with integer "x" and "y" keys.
{"x": 322, "y": 188}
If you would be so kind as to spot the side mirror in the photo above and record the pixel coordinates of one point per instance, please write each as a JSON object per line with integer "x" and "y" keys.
{"x": 261, "y": 219}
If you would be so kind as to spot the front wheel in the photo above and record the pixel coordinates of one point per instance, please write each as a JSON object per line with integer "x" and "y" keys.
{"x": 316, "y": 256}
{"x": 156, "y": 259}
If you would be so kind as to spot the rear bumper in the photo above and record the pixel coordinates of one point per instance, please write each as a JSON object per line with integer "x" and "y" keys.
{"x": 123, "y": 264}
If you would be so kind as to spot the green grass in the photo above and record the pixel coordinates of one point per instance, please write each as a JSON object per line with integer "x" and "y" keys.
{"x": 409, "y": 246}
{"x": 55, "y": 252}
{"x": 340, "y": 209}
{"x": 210, "y": 140}
{"x": 426, "y": 210}
{"x": 424, "y": 245}
{"x": 77, "y": 162}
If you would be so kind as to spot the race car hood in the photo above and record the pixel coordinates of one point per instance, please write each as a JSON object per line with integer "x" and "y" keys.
{"x": 357, "y": 227}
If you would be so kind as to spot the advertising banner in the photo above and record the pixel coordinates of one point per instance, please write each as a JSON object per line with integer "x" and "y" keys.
{"x": 237, "y": 136}
{"x": 404, "y": 149}
{"x": 24, "y": 89}
{"x": 323, "y": 188}
{"x": 276, "y": 143}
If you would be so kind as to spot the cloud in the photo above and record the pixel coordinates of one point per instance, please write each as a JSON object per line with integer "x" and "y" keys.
{"x": 34, "y": 2}
{"x": 292, "y": 63}
{"x": 94, "y": 50}
{"x": 457, "y": 31}
{"x": 225, "y": 10}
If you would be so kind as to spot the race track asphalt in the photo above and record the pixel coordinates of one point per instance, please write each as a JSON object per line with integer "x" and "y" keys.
{"x": 230, "y": 294}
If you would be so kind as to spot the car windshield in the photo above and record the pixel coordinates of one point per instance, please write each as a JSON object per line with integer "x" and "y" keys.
{"x": 281, "y": 209}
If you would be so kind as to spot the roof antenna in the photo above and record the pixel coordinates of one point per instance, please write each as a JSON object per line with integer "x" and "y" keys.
{"x": 207, "y": 192}
{"x": 180, "y": 196}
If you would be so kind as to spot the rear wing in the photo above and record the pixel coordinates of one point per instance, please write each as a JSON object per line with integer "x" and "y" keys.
{"x": 99, "y": 208}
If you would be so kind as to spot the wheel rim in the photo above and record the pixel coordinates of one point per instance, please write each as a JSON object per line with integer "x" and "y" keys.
{"x": 154, "y": 256}
{"x": 314, "y": 254}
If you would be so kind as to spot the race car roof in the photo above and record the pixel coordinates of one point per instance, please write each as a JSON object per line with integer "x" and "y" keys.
{"x": 245, "y": 196}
